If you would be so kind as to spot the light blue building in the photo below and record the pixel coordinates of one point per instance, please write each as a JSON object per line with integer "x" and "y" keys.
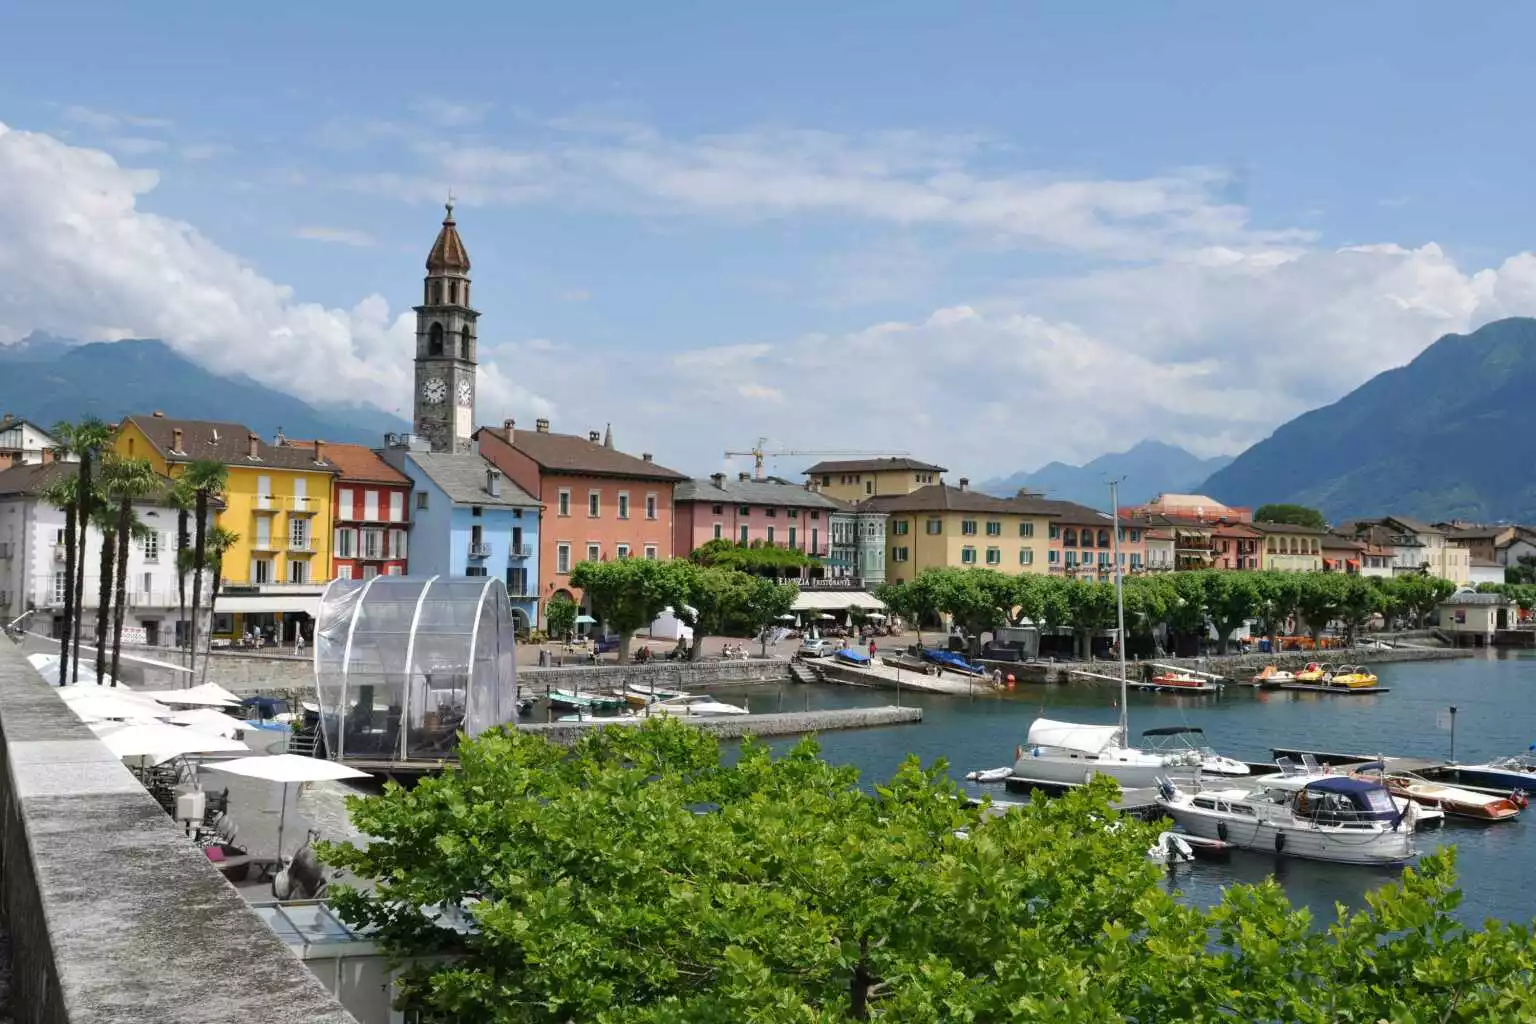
{"x": 467, "y": 519}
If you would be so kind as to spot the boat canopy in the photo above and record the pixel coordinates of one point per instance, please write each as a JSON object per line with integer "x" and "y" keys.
{"x": 1172, "y": 730}
{"x": 1341, "y": 798}
{"x": 1086, "y": 739}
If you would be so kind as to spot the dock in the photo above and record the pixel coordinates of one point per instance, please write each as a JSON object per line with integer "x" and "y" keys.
{"x": 1140, "y": 802}
{"x": 1141, "y": 684}
{"x": 787, "y": 723}
{"x": 1335, "y": 759}
{"x": 1340, "y": 691}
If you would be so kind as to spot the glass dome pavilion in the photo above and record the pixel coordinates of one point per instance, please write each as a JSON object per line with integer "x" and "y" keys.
{"x": 404, "y": 663}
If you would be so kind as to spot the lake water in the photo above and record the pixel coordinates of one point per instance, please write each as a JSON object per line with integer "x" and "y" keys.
{"x": 1493, "y": 695}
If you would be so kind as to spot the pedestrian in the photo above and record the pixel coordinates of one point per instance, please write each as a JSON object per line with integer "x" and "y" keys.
{"x": 871, "y": 649}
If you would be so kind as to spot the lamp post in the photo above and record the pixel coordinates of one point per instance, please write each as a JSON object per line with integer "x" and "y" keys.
{"x": 1453, "y": 734}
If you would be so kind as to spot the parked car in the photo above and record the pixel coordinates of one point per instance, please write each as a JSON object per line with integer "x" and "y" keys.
{"x": 816, "y": 648}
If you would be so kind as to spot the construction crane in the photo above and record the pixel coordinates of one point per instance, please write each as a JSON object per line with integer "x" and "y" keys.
{"x": 759, "y": 454}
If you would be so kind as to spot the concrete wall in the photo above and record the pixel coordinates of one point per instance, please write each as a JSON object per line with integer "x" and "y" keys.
{"x": 113, "y": 914}
{"x": 666, "y": 675}
{"x": 788, "y": 723}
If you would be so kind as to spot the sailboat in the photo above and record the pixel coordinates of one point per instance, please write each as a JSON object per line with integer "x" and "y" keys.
{"x": 1064, "y": 752}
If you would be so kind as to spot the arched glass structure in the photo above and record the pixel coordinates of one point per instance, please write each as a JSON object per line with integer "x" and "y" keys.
{"x": 403, "y": 663}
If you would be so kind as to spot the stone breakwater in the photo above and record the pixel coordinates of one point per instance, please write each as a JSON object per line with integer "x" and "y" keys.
{"x": 693, "y": 676}
{"x": 789, "y": 723}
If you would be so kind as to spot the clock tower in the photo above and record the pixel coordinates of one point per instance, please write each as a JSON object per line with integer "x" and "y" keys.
{"x": 445, "y": 346}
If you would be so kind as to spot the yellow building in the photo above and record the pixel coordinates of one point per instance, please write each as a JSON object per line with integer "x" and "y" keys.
{"x": 937, "y": 526}
{"x": 1289, "y": 548}
{"x": 278, "y": 503}
{"x": 856, "y": 479}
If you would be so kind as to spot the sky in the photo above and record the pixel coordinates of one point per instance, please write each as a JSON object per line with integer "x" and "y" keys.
{"x": 991, "y": 235}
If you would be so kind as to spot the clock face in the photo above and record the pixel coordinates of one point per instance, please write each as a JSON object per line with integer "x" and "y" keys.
{"x": 466, "y": 393}
{"x": 434, "y": 390}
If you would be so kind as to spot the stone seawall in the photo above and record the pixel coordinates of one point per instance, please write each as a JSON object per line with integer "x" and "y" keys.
{"x": 788, "y": 723}
{"x": 112, "y": 913}
{"x": 1239, "y": 667}
{"x": 694, "y": 676}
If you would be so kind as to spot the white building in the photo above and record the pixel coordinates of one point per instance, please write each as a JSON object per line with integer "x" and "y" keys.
{"x": 22, "y": 443}
{"x": 32, "y": 558}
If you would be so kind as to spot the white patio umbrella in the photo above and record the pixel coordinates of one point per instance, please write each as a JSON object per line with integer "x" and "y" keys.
{"x": 875, "y": 615}
{"x": 210, "y": 695}
{"x": 161, "y": 742}
{"x": 584, "y": 620}
{"x": 101, "y": 705}
{"x": 207, "y": 720}
{"x": 286, "y": 768}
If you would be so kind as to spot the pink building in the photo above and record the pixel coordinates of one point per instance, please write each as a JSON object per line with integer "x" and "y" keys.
{"x": 745, "y": 510}
{"x": 1082, "y": 545}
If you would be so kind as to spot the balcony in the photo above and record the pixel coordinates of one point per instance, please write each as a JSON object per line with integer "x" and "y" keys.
{"x": 300, "y": 506}
{"x": 520, "y": 551}
{"x": 59, "y": 554}
{"x": 522, "y": 593}
{"x": 301, "y": 546}
{"x": 265, "y": 544}
{"x": 479, "y": 549}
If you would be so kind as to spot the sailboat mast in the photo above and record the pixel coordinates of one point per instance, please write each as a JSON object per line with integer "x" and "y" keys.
{"x": 1114, "y": 502}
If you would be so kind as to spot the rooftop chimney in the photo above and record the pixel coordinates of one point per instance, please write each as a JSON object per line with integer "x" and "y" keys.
{"x": 508, "y": 428}
{"x": 493, "y": 482}
{"x": 608, "y": 437}
{"x": 965, "y": 483}
{"x": 253, "y": 442}
{"x": 158, "y": 414}
{"x": 718, "y": 479}
{"x": 215, "y": 436}
{"x": 541, "y": 425}
{"x": 743, "y": 476}
{"x": 319, "y": 451}
{"x": 176, "y": 439}
{"x": 645, "y": 456}
{"x": 593, "y": 436}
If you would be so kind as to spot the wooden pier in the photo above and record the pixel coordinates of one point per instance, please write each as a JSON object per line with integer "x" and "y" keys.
{"x": 1340, "y": 691}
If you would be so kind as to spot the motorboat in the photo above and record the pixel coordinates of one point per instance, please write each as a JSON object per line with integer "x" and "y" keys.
{"x": 1460, "y": 803}
{"x": 583, "y": 701}
{"x": 1270, "y": 677}
{"x": 1355, "y": 677}
{"x": 1314, "y": 672}
{"x": 853, "y": 656}
{"x": 952, "y": 660}
{"x": 1171, "y": 848}
{"x": 1338, "y": 818}
{"x": 990, "y": 774}
{"x": 587, "y": 716}
{"x": 1179, "y": 680}
{"x": 1071, "y": 754}
{"x": 1517, "y": 771}
{"x": 640, "y": 698}
{"x": 1187, "y": 744}
{"x": 693, "y": 705}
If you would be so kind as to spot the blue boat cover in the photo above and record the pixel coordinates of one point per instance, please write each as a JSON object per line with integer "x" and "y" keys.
{"x": 1343, "y": 784}
{"x": 858, "y": 657}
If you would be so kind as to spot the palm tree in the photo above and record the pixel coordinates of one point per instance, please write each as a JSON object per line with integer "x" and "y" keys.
{"x": 180, "y": 497}
{"x": 207, "y": 478}
{"x": 220, "y": 540}
{"x": 61, "y": 494}
{"x": 106, "y": 524}
{"x": 87, "y": 438}
{"x": 126, "y": 480}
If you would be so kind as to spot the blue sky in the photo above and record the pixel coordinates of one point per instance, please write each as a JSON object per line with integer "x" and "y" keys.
{"x": 996, "y": 234}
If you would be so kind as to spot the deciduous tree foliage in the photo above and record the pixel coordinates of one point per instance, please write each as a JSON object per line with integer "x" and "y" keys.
{"x": 626, "y": 594}
{"x": 635, "y": 879}
{"x": 560, "y": 616}
{"x": 1294, "y": 515}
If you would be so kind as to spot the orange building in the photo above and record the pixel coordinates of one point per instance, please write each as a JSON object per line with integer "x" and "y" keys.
{"x": 599, "y": 502}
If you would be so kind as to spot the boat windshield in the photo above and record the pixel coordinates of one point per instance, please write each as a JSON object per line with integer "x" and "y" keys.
{"x": 1341, "y": 799}
{"x": 1515, "y": 763}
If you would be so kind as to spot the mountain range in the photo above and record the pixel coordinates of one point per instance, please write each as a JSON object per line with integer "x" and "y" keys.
{"x": 1147, "y": 470}
{"x": 46, "y": 379}
{"x": 1447, "y": 436}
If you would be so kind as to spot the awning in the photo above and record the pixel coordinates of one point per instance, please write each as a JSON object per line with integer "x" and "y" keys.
{"x": 271, "y": 604}
{"x": 1353, "y": 563}
{"x": 836, "y": 601}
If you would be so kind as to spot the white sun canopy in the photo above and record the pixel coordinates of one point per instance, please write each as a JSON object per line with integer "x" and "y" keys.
{"x": 1086, "y": 739}
{"x": 836, "y": 601}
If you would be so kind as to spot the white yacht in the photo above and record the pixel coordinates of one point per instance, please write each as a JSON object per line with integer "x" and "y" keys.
{"x": 693, "y": 705}
{"x": 1320, "y": 817}
{"x": 1071, "y": 754}
{"x": 1186, "y": 745}
{"x": 1515, "y": 772}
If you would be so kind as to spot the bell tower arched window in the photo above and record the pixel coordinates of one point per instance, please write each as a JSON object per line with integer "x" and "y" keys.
{"x": 453, "y": 293}
{"x": 435, "y": 340}
{"x": 437, "y": 293}
{"x": 465, "y": 351}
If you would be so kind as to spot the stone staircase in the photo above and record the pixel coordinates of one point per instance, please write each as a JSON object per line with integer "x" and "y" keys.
{"x": 803, "y": 672}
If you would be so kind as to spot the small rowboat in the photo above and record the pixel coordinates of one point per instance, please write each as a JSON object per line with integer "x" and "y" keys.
{"x": 1272, "y": 677}
{"x": 1182, "y": 681}
{"x": 1453, "y": 800}
{"x": 1313, "y": 673}
{"x": 1355, "y": 677}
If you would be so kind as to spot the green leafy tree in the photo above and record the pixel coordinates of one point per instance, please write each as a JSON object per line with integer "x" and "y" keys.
{"x": 916, "y": 600}
{"x": 86, "y": 439}
{"x": 1420, "y": 594}
{"x": 1028, "y": 598}
{"x": 1186, "y": 604}
{"x": 183, "y": 499}
{"x": 757, "y": 557}
{"x": 1523, "y": 571}
{"x": 560, "y": 616}
{"x": 761, "y": 602}
{"x": 636, "y": 879}
{"x": 105, "y": 521}
{"x": 1231, "y": 599}
{"x": 220, "y": 540}
{"x": 704, "y": 598}
{"x": 1359, "y": 600}
{"x": 626, "y": 593}
{"x": 976, "y": 600}
{"x": 124, "y": 481}
{"x": 1320, "y": 601}
{"x": 63, "y": 493}
{"x": 1293, "y": 515}
{"x": 1279, "y": 599}
{"x": 1090, "y": 611}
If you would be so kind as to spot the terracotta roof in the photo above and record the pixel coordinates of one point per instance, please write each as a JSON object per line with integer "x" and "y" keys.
{"x": 448, "y": 252}
{"x": 32, "y": 480}
{"x": 735, "y": 491}
{"x": 1069, "y": 513}
{"x": 356, "y": 463}
{"x": 567, "y": 453}
{"x": 874, "y": 466}
{"x": 228, "y": 443}
{"x": 1334, "y": 541}
{"x": 944, "y": 498}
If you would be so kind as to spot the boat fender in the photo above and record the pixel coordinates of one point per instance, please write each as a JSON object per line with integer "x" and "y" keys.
{"x": 1221, "y": 831}
{"x": 1018, "y": 753}
{"x": 1280, "y": 842}
{"x": 1087, "y": 777}
{"x": 1518, "y": 798}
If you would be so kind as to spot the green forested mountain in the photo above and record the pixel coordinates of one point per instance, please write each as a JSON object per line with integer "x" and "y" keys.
{"x": 1450, "y": 435}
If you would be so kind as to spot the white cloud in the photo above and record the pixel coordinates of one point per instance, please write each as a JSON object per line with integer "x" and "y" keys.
{"x": 338, "y": 236}
{"x": 1212, "y": 345}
